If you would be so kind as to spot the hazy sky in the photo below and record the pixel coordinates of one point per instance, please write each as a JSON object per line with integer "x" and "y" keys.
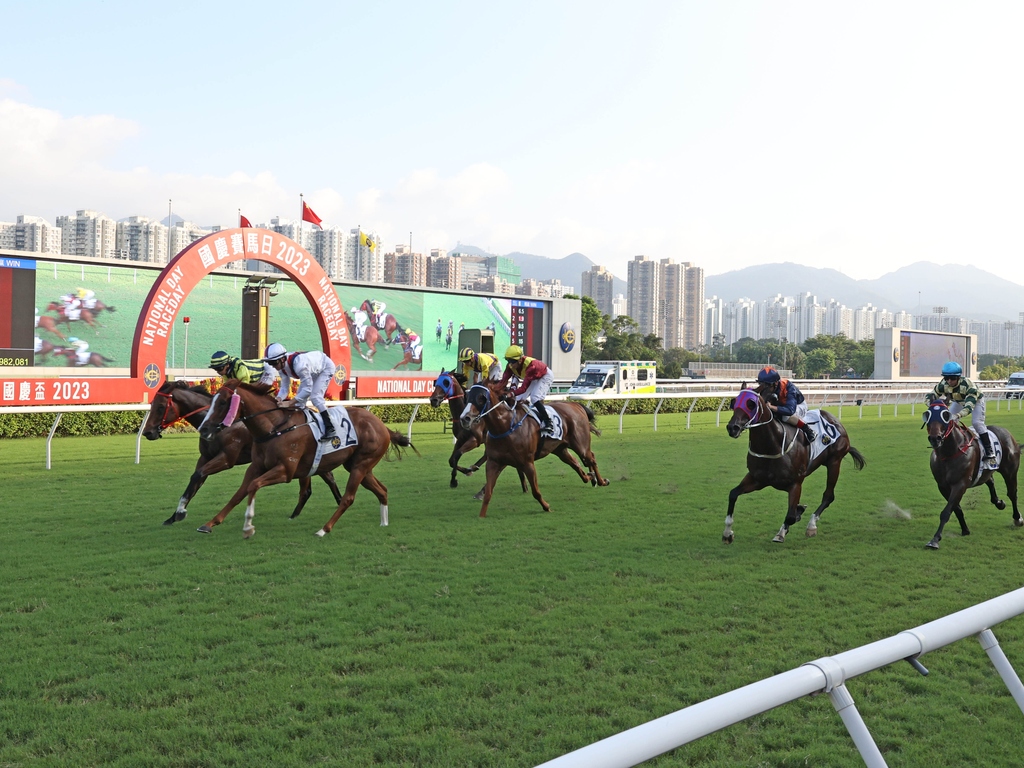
{"x": 862, "y": 136}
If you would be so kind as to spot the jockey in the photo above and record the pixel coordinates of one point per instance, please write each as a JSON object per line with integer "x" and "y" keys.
{"x": 414, "y": 342}
{"x": 360, "y": 320}
{"x": 377, "y": 308}
{"x": 965, "y": 400}
{"x": 87, "y": 297}
{"x": 72, "y": 306}
{"x": 479, "y": 366}
{"x": 81, "y": 350}
{"x": 536, "y": 380}
{"x": 785, "y": 400}
{"x": 314, "y": 370}
{"x": 246, "y": 371}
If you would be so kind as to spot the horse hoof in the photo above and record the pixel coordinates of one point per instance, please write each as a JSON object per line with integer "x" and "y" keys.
{"x": 453, "y": 484}
{"x": 1018, "y": 523}
{"x": 1000, "y": 504}
{"x": 179, "y": 516}
{"x": 811, "y": 532}
{"x": 727, "y": 539}
{"x": 204, "y": 529}
{"x": 479, "y": 496}
{"x": 170, "y": 520}
{"x": 321, "y": 533}
{"x": 247, "y": 533}
{"x": 779, "y": 539}
{"x": 933, "y": 544}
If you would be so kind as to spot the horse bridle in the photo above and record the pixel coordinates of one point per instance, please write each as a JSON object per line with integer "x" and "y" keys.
{"x": 164, "y": 422}
{"x": 755, "y": 419}
{"x": 480, "y": 414}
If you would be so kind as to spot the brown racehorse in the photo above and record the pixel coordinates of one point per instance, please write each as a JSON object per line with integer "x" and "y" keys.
{"x": 95, "y": 358}
{"x": 284, "y": 448}
{"x": 370, "y": 338}
{"x": 48, "y": 323}
{"x": 409, "y": 356}
{"x": 390, "y": 321}
{"x": 777, "y": 456}
{"x": 956, "y": 456}
{"x": 447, "y": 387}
{"x": 88, "y": 316}
{"x": 177, "y": 400}
{"x": 514, "y": 439}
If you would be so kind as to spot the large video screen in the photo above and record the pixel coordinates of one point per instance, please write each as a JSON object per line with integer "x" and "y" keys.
{"x": 922, "y": 354}
{"x": 108, "y": 301}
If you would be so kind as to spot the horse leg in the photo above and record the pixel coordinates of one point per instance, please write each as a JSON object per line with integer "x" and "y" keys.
{"x": 1009, "y": 473}
{"x": 355, "y": 479}
{"x": 531, "y": 474}
{"x": 827, "y": 497}
{"x": 305, "y": 491}
{"x": 195, "y": 482}
{"x": 993, "y": 497}
{"x": 792, "y": 514}
{"x": 952, "y": 496}
{"x": 493, "y": 470}
{"x": 251, "y": 472}
{"x": 591, "y": 461}
{"x": 959, "y": 512}
{"x": 747, "y": 485}
{"x": 378, "y": 489}
{"x": 562, "y": 452}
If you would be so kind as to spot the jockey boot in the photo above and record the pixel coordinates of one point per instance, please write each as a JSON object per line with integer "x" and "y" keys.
{"x": 543, "y": 413}
{"x": 328, "y": 427}
{"x": 986, "y": 443}
{"x": 808, "y": 432}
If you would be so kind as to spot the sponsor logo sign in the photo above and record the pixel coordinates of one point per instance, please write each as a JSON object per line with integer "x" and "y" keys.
{"x": 394, "y": 386}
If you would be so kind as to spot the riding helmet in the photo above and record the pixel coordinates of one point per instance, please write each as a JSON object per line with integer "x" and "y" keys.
{"x": 219, "y": 359}
{"x": 515, "y": 352}
{"x": 275, "y": 352}
{"x": 952, "y": 369}
{"x": 768, "y": 376}
{"x": 466, "y": 355}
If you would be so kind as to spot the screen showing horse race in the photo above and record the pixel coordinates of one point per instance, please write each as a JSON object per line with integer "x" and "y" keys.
{"x": 922, "y": 354}
{"x": 17, "y": 297}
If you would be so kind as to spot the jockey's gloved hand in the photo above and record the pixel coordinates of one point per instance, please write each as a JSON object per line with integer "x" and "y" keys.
{"x": 956, "y": 416}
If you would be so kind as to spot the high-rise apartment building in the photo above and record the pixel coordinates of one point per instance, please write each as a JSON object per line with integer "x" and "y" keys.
{"x": 30, "y": 233}
{"x": 444, "y": 271}
{"x": 88, "y": 233}
{"x": 364, "y": 260}
{"x": 643, "y": 291}
{"x": 667, "y": 299}
{"x": 140, "y": 239}
{"x": 599, "y": 284}
{"x": 671, "y": 302}
{"x": 403, "y": 267}
{"x": 693, "y": 318}
{"x": 327, "y": 246}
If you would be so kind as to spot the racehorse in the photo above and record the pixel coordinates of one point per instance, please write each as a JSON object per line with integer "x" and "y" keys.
{"x": 778, "y": 456}
{"x": 955, "y": 461}
{"x": 410, "y": 356}
{"x": 390, "y": 322}
{"x": 46, "y": 348}
{"x": 447, "y": 387}
{"x": 514, "y": 439}
{"x": 48, "y": 323}
{"x": 86, "y": 315}
{"x": 95, "y": 358}
{"x": 284, "y": 448}
{"x": 370, "y": 338}
{"x": 177, "y": 400}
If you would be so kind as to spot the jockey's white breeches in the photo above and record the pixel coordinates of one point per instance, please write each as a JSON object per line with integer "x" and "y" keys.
{"x": 538, "y": 389}
{"x": 977, "y": 415}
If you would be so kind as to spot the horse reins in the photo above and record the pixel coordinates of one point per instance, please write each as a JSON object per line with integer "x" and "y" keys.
{"x": 771, "y": 417}
{"x": 164, "y": 423}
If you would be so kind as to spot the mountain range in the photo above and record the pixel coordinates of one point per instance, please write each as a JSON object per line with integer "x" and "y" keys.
{"x": 964, "y": 291}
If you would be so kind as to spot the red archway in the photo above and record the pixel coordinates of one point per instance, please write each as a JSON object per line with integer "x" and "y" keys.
{"x": 183, "y": 273}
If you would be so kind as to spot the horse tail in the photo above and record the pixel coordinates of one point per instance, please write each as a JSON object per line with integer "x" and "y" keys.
{"x": 858, "y": 458}
{"x": 398, "y": 442}
{"x": 591, "y": 418}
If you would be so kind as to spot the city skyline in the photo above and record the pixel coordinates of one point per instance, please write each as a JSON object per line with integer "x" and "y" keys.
{"x": 861, "y": 137}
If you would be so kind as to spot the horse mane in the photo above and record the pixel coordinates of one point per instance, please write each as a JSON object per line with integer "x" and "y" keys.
{"x": 259, "y": 389}
{"x": 199, "y": 389}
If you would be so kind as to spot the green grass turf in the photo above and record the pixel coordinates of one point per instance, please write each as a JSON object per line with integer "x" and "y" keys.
{"x": 450, "y": 640}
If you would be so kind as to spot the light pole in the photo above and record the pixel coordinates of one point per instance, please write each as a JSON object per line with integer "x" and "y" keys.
{"x": 184, "y": 356}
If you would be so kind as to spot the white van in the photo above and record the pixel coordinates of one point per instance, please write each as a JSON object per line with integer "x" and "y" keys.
{"x": 615, "y": 377}
{"x": 1015, "y": 386}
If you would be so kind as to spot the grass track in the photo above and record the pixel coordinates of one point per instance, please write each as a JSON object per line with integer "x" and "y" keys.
{"x": 447, "y": 640}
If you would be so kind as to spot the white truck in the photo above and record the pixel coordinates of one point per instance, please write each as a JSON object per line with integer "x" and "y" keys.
{"x": 615, "y": 377}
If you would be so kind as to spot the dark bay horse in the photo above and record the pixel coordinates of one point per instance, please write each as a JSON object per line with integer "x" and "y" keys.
{"x": 956, "y": 456}
{"x": 778, "y": 456}
{"x": 514, "y": 439}
{"x": 447, "y": 387}
{"x": 390, "y": 321}
{"x": 177, "y": 400}
{"x": 370, "y": 338}
{"x": 284, "y": 448}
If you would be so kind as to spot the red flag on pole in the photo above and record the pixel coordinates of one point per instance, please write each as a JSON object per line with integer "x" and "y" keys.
{"x": 308, "y": 215}
{"x": 243, "y": 222}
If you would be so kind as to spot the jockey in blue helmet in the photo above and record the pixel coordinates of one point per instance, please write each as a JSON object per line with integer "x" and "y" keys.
{"x": 964, "y": 399}
{"x": 785, "y": 400}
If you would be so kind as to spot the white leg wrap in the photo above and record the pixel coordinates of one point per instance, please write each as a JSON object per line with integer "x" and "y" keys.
{"x": 248, "y": 529}
{"x": 383, "y": 514}
{"x": 181, "y": 506}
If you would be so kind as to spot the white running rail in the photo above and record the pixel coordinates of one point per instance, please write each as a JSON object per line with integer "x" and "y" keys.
{"x": 829, "y": 674}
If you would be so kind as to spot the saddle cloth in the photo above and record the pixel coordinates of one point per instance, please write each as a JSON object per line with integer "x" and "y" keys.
{"x": 997, "y": 449}
{"x": 344, "y": 434}
{"x": 557, "y": 427}
{"x": 820, "y": 427}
